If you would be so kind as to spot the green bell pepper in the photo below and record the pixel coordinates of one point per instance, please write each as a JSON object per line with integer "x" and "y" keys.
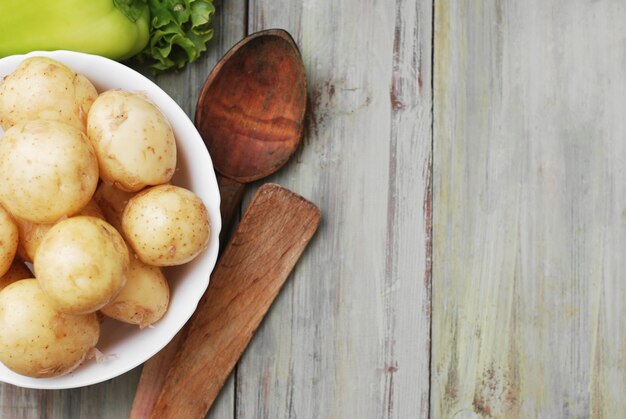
{"x": 167, "y": 33}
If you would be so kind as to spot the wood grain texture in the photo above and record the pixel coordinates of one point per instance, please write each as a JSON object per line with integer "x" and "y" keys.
{"x": 529, "y": 210}
{"x": 251, "y": 109}
{"x": 113, "y": 399}
{"x": 348, "y": 337}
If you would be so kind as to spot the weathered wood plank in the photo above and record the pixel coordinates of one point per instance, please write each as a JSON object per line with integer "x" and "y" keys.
{"x": 529, "y": 209}
{"x": 348, "y": 335}
{"x": 113, "y": 399}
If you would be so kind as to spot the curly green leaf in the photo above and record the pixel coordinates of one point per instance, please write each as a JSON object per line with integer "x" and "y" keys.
{"x": 180, "y": 31}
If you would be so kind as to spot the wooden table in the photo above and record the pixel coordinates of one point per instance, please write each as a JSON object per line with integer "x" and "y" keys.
{"x": 469, "y": 158}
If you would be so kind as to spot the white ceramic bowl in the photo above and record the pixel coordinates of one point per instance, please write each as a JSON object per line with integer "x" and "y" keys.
{"x": 125, "y": 346}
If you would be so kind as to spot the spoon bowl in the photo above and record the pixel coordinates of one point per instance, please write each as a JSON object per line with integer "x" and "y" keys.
{"x": 251, "y": 109}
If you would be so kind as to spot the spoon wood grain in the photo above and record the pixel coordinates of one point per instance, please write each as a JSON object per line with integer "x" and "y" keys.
{"x": 274, "y": 231}
{"x": 251, "y": 109}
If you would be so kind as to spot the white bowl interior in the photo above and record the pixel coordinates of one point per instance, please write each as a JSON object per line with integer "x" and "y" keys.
{"x": 125, "y": 346}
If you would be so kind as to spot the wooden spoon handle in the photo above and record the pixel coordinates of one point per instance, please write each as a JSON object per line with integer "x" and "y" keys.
{"x": 231, "y": 193}
{"x": 269, "y": 240}
{"x": 155, "y": 369}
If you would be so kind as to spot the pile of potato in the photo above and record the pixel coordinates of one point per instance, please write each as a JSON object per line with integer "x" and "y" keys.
{"x": 85, "y": 197}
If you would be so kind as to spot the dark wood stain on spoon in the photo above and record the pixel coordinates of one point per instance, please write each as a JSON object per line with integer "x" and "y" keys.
{"x": 252, "y": 106}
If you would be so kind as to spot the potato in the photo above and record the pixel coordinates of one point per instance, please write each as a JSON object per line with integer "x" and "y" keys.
{"x": 92, "y": 209}
{"x": 81, "y": 264}
{"x": 166, "y": 225}
{"x": 8, "y": 240}
{"x": 112, "y": 201}
{"x": 48, "y": 170}
{"x": 42, "y": 88}
{"x": 16, "y": 272}
{"x": 21, "y": 253}
{"x": 133, "y": 139}
{"x": 31, "y": 234}
{"x": 144, "y": 298}
{"x": 37, "y": 340}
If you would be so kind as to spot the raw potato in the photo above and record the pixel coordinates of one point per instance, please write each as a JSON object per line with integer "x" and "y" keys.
{"x": 42, "y": 88}
{"x": 48, "y": 170}
{"x": 37, "y": 340}
{"x": 16, "y": 272}
{"x": 31, "y": 234}
{"x": 8, "y": 240}
{"x": 133, "y": 139}
{"x": 81, "y": 264}
{"x": 21, "y": 252}
{"x": 112, "y": 201}
{"x": 166, "y": 225}
{"x": 144, "y": 298}
{"x": 92, "y": 209}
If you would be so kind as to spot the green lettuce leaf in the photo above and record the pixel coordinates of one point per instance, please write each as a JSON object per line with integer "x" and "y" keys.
{"x": 179, "y": 32}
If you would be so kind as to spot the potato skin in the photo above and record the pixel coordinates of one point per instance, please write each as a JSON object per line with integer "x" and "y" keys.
{"x": 48, "y": 170}
{"x": 37, "y": 340}
{"x": 81, "y": 264}
{"x": 166, "y": 225}
{"x": 144, "y": 298}
{"x": 134, "y": 141}
{"x": 8, "y": 240}
{"x": 92, "y": 209}
{"x": 31, "y": 234}
{"x": 43, "y": 88}
{"x": 16, "y": 272}
{"x": 21, "y": 253}
{"x": 112, "y": 201}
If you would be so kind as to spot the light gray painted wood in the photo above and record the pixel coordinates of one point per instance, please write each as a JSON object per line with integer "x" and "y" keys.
{"x": 529, "y": 209}
{"x": 348, "y": 337}
{"x": 113, "y": 399}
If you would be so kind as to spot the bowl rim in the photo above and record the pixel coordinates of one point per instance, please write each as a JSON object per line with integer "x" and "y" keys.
{"x": 62, "y": 382}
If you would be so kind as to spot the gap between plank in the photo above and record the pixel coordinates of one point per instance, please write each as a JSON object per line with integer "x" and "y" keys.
{"x": 429, "y": 257}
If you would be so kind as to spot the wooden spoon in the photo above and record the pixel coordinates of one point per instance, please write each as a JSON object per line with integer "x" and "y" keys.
{"x": 251, "y": 111}
{"x": 250, "y": 114}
